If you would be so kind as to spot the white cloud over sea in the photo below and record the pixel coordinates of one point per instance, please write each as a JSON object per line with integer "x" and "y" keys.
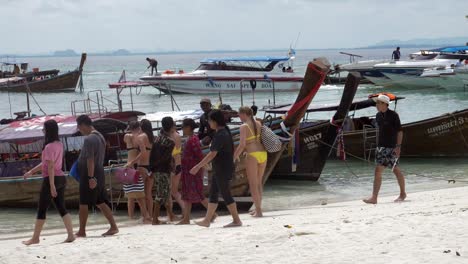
{"x": 31, "y": 26}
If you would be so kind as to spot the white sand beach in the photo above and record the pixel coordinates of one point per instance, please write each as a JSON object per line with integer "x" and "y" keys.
{"x": 416, "y": 231}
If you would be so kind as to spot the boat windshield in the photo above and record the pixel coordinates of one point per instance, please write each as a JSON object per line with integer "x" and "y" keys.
{"x": 237, "y": 66}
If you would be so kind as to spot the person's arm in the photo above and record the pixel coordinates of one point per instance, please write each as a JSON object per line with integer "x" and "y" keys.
{"x": 242, "y": 142}
{"x": 51, "y": 171}
{"x": 33, "y": 171}
{"x": 208, "y": 158}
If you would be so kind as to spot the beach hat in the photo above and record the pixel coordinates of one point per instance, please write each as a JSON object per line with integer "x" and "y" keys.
{"x": 383, "y": 98}
{"x": 205, "y": 100}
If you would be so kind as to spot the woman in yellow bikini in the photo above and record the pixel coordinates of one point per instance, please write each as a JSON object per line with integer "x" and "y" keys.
{"x": 256, "y": 159}
{"x": 175, "y": 178}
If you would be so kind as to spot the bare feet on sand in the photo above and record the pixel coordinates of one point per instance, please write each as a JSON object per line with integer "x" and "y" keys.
{"x": 184, "y": 222}
{"x": 257, "y": 214}
{"x": 69, "y": 239}
{"x": 400, "y": 198}
{"x": 31, "y": 242}
{"x": 214, "y": 218}
{"x": 80, "y": 234}
{"x": 112, "y": 231}
{"x": 233, "y": 224}
{"x": 203, "y": 223}
{"x": 371, "y": 200}
{"x": 158, "y": 222}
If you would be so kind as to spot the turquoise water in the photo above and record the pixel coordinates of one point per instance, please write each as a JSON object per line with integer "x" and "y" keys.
{"x": 340, "y": 180}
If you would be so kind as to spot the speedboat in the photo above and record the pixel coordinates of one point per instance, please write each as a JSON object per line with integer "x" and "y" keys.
{"x": 406, "y": 73}
{"x": 231, "y": 75}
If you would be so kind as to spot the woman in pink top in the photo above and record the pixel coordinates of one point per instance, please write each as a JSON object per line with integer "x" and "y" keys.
{"x": 53, "y": 184}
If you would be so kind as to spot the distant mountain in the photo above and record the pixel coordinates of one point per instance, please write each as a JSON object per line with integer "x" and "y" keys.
{"x": 65, "y": 53}
{"x": 121, "y": 52}
{"x": 422, "y": 42}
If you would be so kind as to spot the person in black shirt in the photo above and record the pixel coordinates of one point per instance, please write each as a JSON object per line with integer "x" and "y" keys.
{"x": 396, "y": 54}
{"x": 162, "y": 164}
{"x": 153, "y": 63}
{"x": 390, "y": 136}
{"x": 205, "y": 132}
{"x": 222, "y": 156}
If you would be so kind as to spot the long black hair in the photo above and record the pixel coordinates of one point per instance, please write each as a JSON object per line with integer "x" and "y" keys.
{"x": 147, "y": 128}
{"x": 50, "y": 132}
{"x": 217, "y": 116}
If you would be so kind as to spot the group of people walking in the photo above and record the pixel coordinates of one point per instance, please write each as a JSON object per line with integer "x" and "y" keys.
{"x": 163, "y": 163}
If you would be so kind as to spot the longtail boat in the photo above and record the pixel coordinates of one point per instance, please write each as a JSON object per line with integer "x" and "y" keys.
{"x": 17, "y": 192}
{"x": 314, "y": 139}
{"x": 42, "y": 81}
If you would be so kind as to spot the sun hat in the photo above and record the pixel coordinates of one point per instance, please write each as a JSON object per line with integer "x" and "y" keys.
{"x": 205, "y": 100}
{"x": 383, "y": 98}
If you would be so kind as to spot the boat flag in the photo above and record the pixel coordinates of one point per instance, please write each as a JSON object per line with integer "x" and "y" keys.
{"x": 122, "y": 78}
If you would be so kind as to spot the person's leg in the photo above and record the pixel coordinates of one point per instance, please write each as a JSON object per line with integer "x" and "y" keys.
{"x": 156, "y": 213}
{"x": 377, "y": 183}
{"x": 212, "y": 205}
{"x": 186, "y": 213}
{"x": 43, "y": 205}
{"x": 401, "y": 182}
{"x": 149, "y": 182}
{"x": 175, "y": 180}
{"x": 251, "y": 168}
{"x": 204, "y": 202}
{"x": 83, "y": 218}
{"x": 131, "y": 208}
{"x": 107, "y": 212}
{"x": 144, "y": 210}
{"x": 60, "y": 205}
{"x": 225, "y": 189}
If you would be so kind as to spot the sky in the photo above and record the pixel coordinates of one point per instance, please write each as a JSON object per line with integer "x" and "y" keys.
{"x": 41, "y": 26}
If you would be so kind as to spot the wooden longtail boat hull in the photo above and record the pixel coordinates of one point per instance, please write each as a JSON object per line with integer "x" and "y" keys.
{"x": 60, "y": 83}
{"x": 442, "y": 136}
{"x": 315, "y": 140}
{"x": 16, "y": 192}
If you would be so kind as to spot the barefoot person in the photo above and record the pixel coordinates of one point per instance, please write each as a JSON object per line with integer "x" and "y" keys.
{"x": 390, "y": 136}
{"x": 162, "y": 164}
{"x": 53, "y": 184}
{"x": 192, "y": 185}
{"x": 135, "y": 192}
{"x": 222, "y": 155}
{"x": 91, "y": 171}
{"x": 175, "y": 177}
{"x": 256, "y": 159}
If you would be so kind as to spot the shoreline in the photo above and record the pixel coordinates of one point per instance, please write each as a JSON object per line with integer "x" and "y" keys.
{"x": 416, "y": 231}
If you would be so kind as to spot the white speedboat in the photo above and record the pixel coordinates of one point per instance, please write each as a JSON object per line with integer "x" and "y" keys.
{"x": 231, "y": 75}
{"x": 444, "y": 77}
{"x": 407, "y": 73}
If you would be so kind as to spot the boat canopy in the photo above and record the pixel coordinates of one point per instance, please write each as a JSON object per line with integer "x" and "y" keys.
{"x": 30, "y": 130}
{"x": 247, "y": 59}
{"x": 452, "y": 49}
{"x": 357, "y": 105}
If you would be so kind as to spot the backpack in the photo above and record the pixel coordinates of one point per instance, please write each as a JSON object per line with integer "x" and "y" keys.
{"x": 161, "y": 159}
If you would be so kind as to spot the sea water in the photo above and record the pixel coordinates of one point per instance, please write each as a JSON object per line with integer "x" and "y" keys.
{"x": 340, "y": 180}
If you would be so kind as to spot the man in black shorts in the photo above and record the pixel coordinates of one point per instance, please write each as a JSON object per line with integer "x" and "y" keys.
{"x": 91, "y": 171}
{"x": 390, "y": 136}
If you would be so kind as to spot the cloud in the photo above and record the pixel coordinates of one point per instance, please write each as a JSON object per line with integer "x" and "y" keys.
{"x": 90, "y": 25}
